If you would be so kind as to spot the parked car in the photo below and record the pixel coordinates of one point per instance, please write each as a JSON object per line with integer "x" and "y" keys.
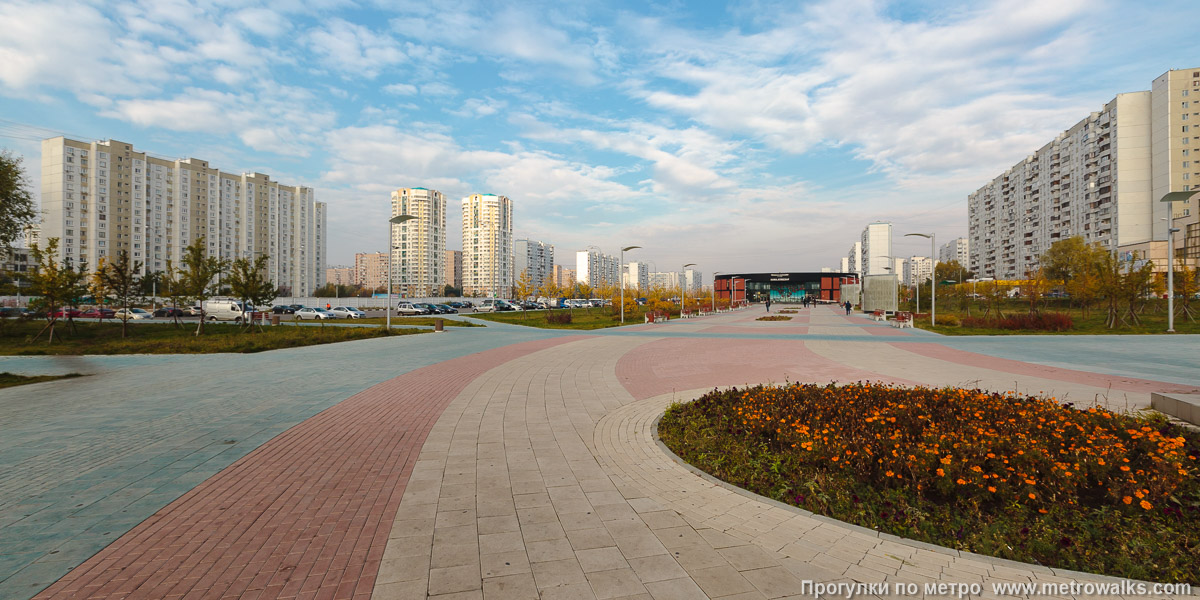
{"x": 408, "y": 308}
{"x": 496, "y": 305}
{"x": 432, "y": 308}
{"x": 169, "y": 311}
{"x": 16, "y": 312}
{"x": 308, "y": 314}
{"x": 226, "y": 309}
{"x": 98, "y": 313}
{"x": 194, "y": 311}
{"x": 346, "y": 312}
{"x": 446, "y": 309}
{"x": 282, "y": 309}
{"x": 132, "y": 313}
{"x": 295, "y": 307}
{"x": 65, "y": 313}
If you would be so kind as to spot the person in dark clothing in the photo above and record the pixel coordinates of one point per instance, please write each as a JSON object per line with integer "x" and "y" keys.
{"x": 847, "y": 305}
{"x": 768, "y": 305}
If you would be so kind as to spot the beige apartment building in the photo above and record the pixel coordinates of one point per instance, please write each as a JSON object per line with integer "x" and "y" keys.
{"x": 341, "y": 276}
{"x": 99, "y": 198}
{"x": 564, "y": 278}
{"x": 452, "y": 271}
{"x": 418, "y": 245}
{"x": 1102, "y": 179}
{"x": 487, "y": 245}
{"x": 371, "y": 269}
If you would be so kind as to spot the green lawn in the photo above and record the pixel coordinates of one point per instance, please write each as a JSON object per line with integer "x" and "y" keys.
{"x": 581, "y": 318}
{"x": 13, "y": 380}
{"x": 1153, "y": 320}
{"x": 16, "y": 338}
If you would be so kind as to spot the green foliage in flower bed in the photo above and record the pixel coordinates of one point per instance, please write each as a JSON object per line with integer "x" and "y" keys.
{"x": 774, "y": 318}
{"x": 1016, "y": 477}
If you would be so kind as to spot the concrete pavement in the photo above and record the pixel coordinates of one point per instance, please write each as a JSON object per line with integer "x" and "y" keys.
{"x": 528, "y": 468}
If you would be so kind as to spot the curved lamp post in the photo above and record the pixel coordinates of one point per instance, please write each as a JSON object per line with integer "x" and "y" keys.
{"x": 396, "y": 220}
{"x": 683, "y": 289}
{"x": 622, "y": 271}
{"x": 933, "y": 276}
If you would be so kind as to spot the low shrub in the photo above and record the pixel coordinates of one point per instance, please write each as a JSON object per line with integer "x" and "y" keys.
{"x": 559, "y": 318}
{"x": 949, "y": 321}
{"x": 1018, "y": 477}
{"x": 774, "y": 318}
{"x": 1047, "y": 321}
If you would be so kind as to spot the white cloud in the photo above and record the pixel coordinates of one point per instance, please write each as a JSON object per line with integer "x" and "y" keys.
{"x": 354, "y": 50}
{"x": 400, "y": 89}
{"x": 479, "y": 107}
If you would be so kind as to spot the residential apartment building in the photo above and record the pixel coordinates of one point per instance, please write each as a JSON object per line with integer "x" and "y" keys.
{"x": 452, "y": 271}
{"x": 418, "y": 245}
{"x": 1101, "y": 179}
{"x": 597, "y": 269}
{"x": 371, "y": 270}
{"x": 694, "y": 279}
{"x": 844, "y": 267}
{"x": 341, "y": 276}
{"x": 957, "y": 249}
{"x": 487, "y": 245}
{"x": 874, "y": 247}
{"x": 99, "y": 198}
{"x": 668, "y": 280}
{"x": 637, "y": 276}
{"x": 854, "y": 259}
{"x": 918, "y": 270}
{"x": 564, "y": 278}
{"x": 536, "y": 259}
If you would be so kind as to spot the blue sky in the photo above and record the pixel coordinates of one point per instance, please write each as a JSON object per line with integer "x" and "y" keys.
{"x": 746, "y": 136}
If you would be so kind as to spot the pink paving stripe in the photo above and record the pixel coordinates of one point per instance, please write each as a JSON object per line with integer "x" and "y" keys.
{"x": 1116, "y": 382}
{"x": 731, "y": 329}
{"x": 305, "y": 515}
{"x": 667, "y": 365}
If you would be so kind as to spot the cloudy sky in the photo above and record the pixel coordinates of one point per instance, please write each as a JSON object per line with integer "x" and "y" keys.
{"x": 749, "y": 136}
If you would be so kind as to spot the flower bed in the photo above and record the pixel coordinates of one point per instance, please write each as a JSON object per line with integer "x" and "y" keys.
{"x": 1038, "y": 322}
{"x": 1017, "y": 477}
{"x": 788, "y": 312}
{"x": 774, "y": 318}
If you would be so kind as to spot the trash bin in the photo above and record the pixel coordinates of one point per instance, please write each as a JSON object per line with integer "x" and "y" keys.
{"x": 274, "y": 319}
{"x": 438, "y": 324}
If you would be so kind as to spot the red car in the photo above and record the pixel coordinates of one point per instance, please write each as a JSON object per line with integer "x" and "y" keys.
{"x": 98, "y": 313}
{"x": 64, "y": 313}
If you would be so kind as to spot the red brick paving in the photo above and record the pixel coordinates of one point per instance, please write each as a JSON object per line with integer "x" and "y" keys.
{"x": 305, "y": 515}
{"x": 1116, "y": 382}
{"x": 678, "y": 364}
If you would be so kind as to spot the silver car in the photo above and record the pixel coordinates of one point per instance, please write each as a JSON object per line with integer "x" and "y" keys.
{"x": 347, "y": 312}
{"x": 313, "y": 313}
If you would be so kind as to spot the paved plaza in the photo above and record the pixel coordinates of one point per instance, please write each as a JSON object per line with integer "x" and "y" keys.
{"x": 498, "y": 462}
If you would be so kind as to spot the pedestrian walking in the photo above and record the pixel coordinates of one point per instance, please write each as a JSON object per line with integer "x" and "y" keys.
{"x": 847, "y": 305}
{"x": 768, "y": 304}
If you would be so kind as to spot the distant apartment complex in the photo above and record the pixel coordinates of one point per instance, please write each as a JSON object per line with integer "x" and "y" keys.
{"x": 957, "y": 249}
{"x": 637, "y": 275}
{"x": 452, "y": 271}
{"x": 1102, "y": 179}
{"x": 99, "y": 198}
{"x": 564, "y": 278}
{"x": 597, "y": 269}
{"x": 371, "y": 269}
{"x": 487, "y": 245}
{"x": 917, "y": 270}
{"x": 341, "y": 276}
{"x": 418, "y": 245}
{"x": 534, "y": 258}
{"x": 853, "y": 262}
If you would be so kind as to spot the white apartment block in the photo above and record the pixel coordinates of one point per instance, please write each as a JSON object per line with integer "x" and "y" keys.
{"x": 536, "y": 258}
{"x": 875, "y": 246}
{"x": 597, "y": 269}
{"x": 957, "y": 249}
{"x": 665, "y": 280}
{"x": 854, "y": 259}
{"x": 694, "y": 279}
{"x": 918, "y": 270}
{"x": 845, "y": 265}
{"x": 418, "y": 245}
{"x": 371, "y": 269}
{"x": 636, "y": 276}
{"x": 1101, "y": 179}
{"x": 99, "y": 198}
{"x": 487, "y": 245}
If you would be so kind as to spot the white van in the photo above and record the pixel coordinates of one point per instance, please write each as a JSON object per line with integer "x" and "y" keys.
{"x": 225, "y": 309}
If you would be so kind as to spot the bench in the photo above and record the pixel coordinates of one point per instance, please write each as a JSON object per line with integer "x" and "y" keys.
{"x": 903, "y": 319}
{"x": 879, "y": 315}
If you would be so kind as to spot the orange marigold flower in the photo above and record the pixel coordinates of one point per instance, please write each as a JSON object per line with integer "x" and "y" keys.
{"x": 991, "y": 488}
{"x": 1127, "y": 500}
{"x": 1033, "y": 496}
{"x": 962, "y": 481}
{"x": 1147, "y": 505}
{"x": 941, "y": 473}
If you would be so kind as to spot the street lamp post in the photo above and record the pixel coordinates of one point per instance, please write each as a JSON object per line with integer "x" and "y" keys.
{"x": 933, "y": 279}
{"x": 683, "y": 288}
{"x": 396, "y": 220}
{"x": 622, "y": 272}
{"x": 714, "y": 291}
